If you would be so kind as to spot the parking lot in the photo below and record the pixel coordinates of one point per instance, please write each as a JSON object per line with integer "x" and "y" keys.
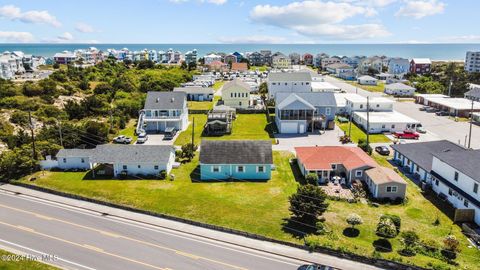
{"x": 438, "y": 127}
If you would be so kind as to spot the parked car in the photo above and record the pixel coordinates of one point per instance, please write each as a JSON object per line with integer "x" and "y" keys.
{"x": 122, "y": 139}
{"x": 424, "y": 108}
{"x": 170, "y": 133}
{"x": 430, "y": 110}
{"x": 442, "y": 113}
{"x": 316, "y": 267}
{"x": 421, "y": 129}
{"x": 142, "y": 137}
{"x": 382, "y": 150}
{"x": 407, "y": 134}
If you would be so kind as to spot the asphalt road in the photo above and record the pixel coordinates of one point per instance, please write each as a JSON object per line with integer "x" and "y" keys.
{"x": 83, "y": 240}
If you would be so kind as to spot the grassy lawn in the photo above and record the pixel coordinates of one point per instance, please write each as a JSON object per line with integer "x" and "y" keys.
{"x": 372, "y": 88}
{"x": 218, "y": 85}
{"x": 22, "y": 264}
{"x": 417, "y": 214}
{"x": 245, "y": 127}
{"x": 129, "y": 130}
{"x": 200, "y": 105}
{"x": 260, "y": 68}
{"x": 257, "y": 207}
{"x": 358, "y": 133}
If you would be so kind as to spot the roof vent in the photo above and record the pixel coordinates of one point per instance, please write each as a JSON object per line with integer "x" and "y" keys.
{"x": 158, "y": 99}
{"x": 172, "y": 100}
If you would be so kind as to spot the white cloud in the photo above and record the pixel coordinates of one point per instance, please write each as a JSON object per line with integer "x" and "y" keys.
{"x": 370, "y": 3}
{"x": 65, "y": 37}
{"x": 215, "y": 2}
{"x": 461, "y": 39}
{"x": 320, "y": 19}
{"x": 32, "y": 16}
{"x": 84, "y": 28}
{"x": 11, "y": 36}
{"x": 252, "y": 40}
{"x": 420, "y": 8}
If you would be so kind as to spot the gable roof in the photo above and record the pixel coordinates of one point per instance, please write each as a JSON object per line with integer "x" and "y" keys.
{"x": 400, "y": 86}
{"x": 366, "y": 77}
{"x": 292, "y": 98}
{"x": 322, "y": 157}
{"x": 194, "y": 90}
{"x": 315, "y": 99}
{"x": 114, "y": 153}
{"x": 424, "y": 61}
{"x": 422, "y": 153}
{"x": 466, "y": 162}
{"x": 236, "y": 152}
{"x": 290, "y": 76}
{"x": 383, "y": 175}
{"x": 165, "y": 100}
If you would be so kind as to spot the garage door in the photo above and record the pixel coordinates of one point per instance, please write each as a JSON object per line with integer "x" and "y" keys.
{"x": 289, "y": 128}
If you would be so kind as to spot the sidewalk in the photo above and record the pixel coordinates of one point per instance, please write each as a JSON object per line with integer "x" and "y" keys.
{"x": 237, "y": 240}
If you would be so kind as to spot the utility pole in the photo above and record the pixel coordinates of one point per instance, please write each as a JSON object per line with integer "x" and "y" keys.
{"x": 350, "y": 126}
{"x": 450, "y": 88}
{"x": 33, "y": 135}
{"x": 471, "y": 123}
{"x": 193, "y": 134}
{"x": 368, "y": 121}
{"x": 60, "y": 131}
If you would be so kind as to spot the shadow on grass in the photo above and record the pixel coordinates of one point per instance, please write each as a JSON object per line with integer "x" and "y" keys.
{"x": 351, "y": 232}
{"x": 195, "y": 178}
{"x": 382, "y": 245}
{"x": 271, "y": 127}
{"x": 297, "y": 173}
{"x": 296, "y": 228}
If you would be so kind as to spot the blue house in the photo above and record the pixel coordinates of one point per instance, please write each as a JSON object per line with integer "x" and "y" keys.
{"x": 235, "y": 160}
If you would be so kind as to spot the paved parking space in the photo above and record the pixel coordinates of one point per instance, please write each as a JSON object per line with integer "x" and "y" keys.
{"x": 438, "y": 127}
{"x": 158, "y": 139}
{"x": 287, "y": 142}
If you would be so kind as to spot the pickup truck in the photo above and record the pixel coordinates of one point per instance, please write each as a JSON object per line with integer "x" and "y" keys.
{"x": 407, "y": 134}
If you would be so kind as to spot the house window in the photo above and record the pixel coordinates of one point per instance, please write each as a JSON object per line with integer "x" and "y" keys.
{"x": 383, "y": 126}
{"x": 274, "y": 84}
{"x": 358, "y": 173}
{"x": 391, "y": 189}
{"x": 215, "y": 169}
{"x": 455, "y": 177}
{"x": 328, "y": 111}
{"x": 408, "y": 162}
{"x": 240, "y": 169}
{"x": 436, "y": 182}
{"x": 286, "y": 83}
{"x": 155, "y": 167}
{"x": 261, "y": 169}
{"x": 124, "y": 167}
{"x": 334, "y": 166}
{"x": 231, "y": 95}
{"x": 393, "y": 126}
{"x": 83, "y": 160}
{"x": 465, "y": 203}
{"x": 475, "y": 188}
{"x": 378, "y": 105}
{"x": 64, "y": 160}
{"x": 450, "y": 192}
{"x": 361, "y": 106}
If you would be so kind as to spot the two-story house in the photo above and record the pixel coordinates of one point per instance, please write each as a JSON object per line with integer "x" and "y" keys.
{"x": 163, "y": 110}
{"x": 420, "y": 66}
{"x": 292, "y": 82}
{"x": 357, "y": 103}
{"x": 280, "y": 61}
{"x": 398, "y": 67}
{"x": 304, "y": 111}
{"x": 236, "y": 94}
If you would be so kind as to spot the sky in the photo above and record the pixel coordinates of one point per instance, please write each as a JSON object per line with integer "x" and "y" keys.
{"x": 239, "y": 21}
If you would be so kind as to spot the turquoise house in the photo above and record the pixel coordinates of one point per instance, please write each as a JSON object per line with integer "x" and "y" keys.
{"x": 235, "y": 160}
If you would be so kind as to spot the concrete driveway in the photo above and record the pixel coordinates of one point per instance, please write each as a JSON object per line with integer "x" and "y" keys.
{"x": 158, "y": 139}
{"x": 287, "y": 142}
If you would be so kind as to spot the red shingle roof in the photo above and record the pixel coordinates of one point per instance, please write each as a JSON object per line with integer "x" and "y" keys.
{"x": 322, "y": 157}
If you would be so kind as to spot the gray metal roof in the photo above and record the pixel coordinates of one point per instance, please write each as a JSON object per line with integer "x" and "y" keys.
{"x": 422, "y": 153}
{"x": 115, "y": 153}
{"x": 165, "y": 100}
{"x": 194, "y": 90}
{"x": 467, "y": 162}
{"x": 316, "y": 99}
{"x": 66, "y": 153}
{"x": 236, "y": 152}
{"x": 290, "y": 76}
{"x": 400, "y": 86}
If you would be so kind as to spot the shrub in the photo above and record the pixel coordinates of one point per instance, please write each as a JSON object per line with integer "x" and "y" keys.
{"x": 308, "y": 203}
{"x": 312, "y": 179}
{"x": 322, "y": 228}
{"x": 162, "y": 175}
{"x": 386, "y": 228}
{"x": 20, "y": 118}
{"x": 362, "y": 143}
{"x": 188, "y": 151}
{"x": 409, "y": 240}
{"x": 397, "y": 221}
{"x": 354, "y": 219}
{"x": 451, "y": 243}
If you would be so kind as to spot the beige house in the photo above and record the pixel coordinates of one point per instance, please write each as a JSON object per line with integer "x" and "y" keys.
{"x": 236, "y": 94}
{"x": 385, "y": 183}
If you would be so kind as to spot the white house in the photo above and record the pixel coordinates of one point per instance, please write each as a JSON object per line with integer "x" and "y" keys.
{"x": 367, "y": 80}
{"x": 163, "y": 110}
{"x": 380, "y": 122}
{"x": 210, "y": 58}
{"x": 118, "y": 159}
{"x": 357, "y": 103}
{"x": 292, "y": 82}
{"x": 236, "y": 94}
{"x": 398, "y": 67}
{"x": 399, "y": 89}
{"x": 456, "y": 176}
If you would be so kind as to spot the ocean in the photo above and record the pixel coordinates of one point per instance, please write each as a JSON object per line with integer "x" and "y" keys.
{"x": 432, "y": 51}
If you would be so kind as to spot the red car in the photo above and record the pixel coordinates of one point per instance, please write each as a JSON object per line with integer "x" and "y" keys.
{"x": 407, "y": 134}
